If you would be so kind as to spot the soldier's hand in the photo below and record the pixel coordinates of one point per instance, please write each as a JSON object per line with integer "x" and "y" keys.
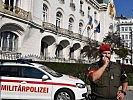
{"x": 105, "y": 60}
{"x": 120, "y": 95}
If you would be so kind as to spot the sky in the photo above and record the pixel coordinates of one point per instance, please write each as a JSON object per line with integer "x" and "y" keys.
{"x": 124, "y": 7}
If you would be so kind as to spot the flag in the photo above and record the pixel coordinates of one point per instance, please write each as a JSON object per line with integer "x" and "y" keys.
{"x": 98, "y": 28}
{"x": 90, "y": 23}
{"x": 111, "y": 10}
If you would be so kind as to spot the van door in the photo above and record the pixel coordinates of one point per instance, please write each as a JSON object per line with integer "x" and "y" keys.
{"x": 33, "y": 87}
{"x": 9, "y": 82}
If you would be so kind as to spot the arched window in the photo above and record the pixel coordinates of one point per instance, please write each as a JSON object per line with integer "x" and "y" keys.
{"x": 45, "y": 13}
{"x": 70, "y": 24}
{"x": 81, "y": 5}
{"x": 8, "y": 41}
{"x": 58, "y": 19}
{"x": 11, "y": 4}
{"x": 80, "y": 28}
{"x": 95, "y": 15}
{"x": 71, "y": 54}
{"x": 89, "y": 11}
{"x": 44, "y": 49}
{"x": 59, "y": 51}
{"x": 88, "y": 32}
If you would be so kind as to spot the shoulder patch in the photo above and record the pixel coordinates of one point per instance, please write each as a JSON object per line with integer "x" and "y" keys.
{"x": 90, "y": 72}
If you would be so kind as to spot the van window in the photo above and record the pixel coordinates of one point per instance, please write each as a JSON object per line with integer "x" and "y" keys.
{"x": 9, "y": 71}
{"x": 29, "y": 72}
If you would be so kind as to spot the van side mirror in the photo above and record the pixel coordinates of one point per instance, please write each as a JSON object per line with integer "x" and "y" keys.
{"x": 45, "y": 77}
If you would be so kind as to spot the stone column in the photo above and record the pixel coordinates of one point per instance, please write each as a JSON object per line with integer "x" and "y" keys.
{"x": 66, "y": 52}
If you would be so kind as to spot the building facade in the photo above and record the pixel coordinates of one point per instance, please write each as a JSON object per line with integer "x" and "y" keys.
{"x": 125, "y": 30}
{"x": 53, "y": 30}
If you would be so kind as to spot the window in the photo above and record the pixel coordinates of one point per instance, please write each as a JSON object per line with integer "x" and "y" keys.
{"x": 59, "y": 51}
{"x": 122, "y": 36}
{"x": 45, "y": 13}
{"x": 44, "y": 49}
{"x": 126, "y": 60}
{"x": 95, "y": 15}
{"x": 130, "y": 28}
{"x": 88, "y": 31}
{"x": 70, "y": 24}
{"x": 130, "y": 45}
{"x": 58, "y": 19}
{"x": 81, "y": 9}
{"x": 81, "y": 4}
{"x": 126, "y": 28}
{"x": 72, "y": 5}
{"x": 126, "y": 37}
{"x": 130, "y": 36}
{"x": 89, "y": 11}
{"x": 80, "y": 28}
{"x": 8, "y": 41}
{"x": 29, "y": 72}
{"x": 9, "y": 4}
{"x": 71, "y": 53}
{"x": 126, "y": 44}
{"x": 122, "y": 28}
{"x": 9, "y": 71}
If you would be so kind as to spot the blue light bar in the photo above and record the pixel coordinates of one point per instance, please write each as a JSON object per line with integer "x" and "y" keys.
{"x": 24, "y": 60}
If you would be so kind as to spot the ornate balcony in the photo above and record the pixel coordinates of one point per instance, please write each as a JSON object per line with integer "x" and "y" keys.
{"x": 4, "y": 55}
{"x": 14, "y": 56}
{"x": 15, "y": 11}
{"x": 63, "y": 32}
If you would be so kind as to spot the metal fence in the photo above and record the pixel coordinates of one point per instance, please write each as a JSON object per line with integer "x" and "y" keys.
{"x": 15, "y": 56}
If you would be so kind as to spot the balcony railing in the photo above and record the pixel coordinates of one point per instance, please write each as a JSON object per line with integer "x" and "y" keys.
{"x": 55, "y": 59}
{"x": 15, "y": 11}
{"x": 64, "y": 32}
{"x": 9, "y": 55}
{"x": 15, "y": 56}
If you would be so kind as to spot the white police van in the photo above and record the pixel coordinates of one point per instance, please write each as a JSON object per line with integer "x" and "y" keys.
{"x": 34, "y": 81}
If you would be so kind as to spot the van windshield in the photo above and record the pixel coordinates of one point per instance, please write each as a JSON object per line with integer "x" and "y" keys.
{"x": 50, "y": 71}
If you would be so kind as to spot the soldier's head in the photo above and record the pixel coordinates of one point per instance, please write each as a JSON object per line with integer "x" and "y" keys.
{"x": 105, "y": 51}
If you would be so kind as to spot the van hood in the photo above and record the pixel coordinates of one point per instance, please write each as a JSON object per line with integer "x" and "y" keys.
{"x": 72, "y": 79}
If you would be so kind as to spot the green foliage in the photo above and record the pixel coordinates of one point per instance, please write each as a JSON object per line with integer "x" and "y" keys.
{"x": 122, "y": 52}
{"x": 130, "y": 76}
{"x": 74, "y": 69}
{"x": 79, "y": 70}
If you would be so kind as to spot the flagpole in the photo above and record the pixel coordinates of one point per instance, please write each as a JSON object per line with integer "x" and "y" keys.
{"x": 84, "y": 29}
{"x": 89, "y": 23}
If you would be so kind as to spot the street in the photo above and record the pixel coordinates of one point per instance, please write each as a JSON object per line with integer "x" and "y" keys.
{"x": 129, "y": 95}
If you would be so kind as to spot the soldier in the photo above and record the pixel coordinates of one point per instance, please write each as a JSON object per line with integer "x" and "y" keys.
{"x": 106, "y": 77}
